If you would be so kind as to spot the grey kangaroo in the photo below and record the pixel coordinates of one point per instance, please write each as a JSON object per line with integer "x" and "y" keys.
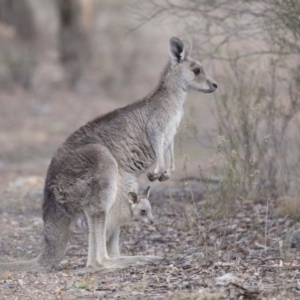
{"x": 99, "y": 163}
{"x": 136, "y": 207}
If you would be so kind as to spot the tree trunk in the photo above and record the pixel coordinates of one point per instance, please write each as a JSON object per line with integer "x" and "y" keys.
{"x": 74, "y": 36}
{"x": 18, "y": 39}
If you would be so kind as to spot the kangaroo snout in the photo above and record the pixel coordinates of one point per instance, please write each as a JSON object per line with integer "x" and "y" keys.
{"x": 212, "y": 84}
{"x": 215, "y": 85}
{"x": 148, "y": 220}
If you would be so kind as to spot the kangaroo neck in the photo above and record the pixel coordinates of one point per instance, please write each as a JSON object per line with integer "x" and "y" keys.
{"x": 169, "y": 94}
{"x": 171, "y": 89}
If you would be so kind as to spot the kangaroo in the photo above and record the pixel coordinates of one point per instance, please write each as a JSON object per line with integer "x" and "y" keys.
{"x": 137, "y": 207}
{"x": 100, "y": 162}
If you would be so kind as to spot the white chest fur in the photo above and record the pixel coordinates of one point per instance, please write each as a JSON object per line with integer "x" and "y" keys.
{"x": 172, "y": 127}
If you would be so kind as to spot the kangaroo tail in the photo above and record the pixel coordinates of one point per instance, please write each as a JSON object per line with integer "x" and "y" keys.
{"x": 31, "y": 265}
{"x": 56, "y": 235}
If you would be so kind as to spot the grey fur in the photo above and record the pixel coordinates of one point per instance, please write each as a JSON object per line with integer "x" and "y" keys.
{"x": 136, "y": 207}
{"x": 98, "y": 164}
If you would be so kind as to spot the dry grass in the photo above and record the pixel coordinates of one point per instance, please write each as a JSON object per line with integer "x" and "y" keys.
{"x": 289, "y": 206}
{"x": 196, "y": 296}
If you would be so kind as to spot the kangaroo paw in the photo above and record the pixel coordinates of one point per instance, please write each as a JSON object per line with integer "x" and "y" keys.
{"x": 164, "y": 176}
{"x": 152, "y": 176}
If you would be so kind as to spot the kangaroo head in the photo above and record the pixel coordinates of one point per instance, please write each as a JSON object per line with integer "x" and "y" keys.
{"x": 140, "y": 206}
{"x": 187, "y": 71}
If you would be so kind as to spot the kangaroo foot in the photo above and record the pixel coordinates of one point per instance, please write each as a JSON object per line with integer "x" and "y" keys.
{"x": 119, "y": 263}
{"x": 85, "y": 270}
{"x": 143, "y": 259}
{"x": 126, "y": 261}
{"x": 92, "y": 264}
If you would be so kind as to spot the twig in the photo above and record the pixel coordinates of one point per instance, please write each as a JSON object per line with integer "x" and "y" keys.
{"x": 281, "y": 267}
{"x": 204, "y": 180}
{"x": 266, "y": 224}
{"x": 144, "y": 275}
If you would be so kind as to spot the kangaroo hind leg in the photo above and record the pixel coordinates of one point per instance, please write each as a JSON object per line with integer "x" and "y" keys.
{"x": 103, "y": 191}
{"x": 97, "y": 252}
{"x": 113, "y": 244}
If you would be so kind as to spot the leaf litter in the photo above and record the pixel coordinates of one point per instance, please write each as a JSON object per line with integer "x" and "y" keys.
{"x": 205, "y": 258}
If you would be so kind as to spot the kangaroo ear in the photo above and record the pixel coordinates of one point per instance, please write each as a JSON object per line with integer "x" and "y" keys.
{"x": 187, "y": 46}
{"x": 147, "y": 192}
{"x": 177, "y": 49}
{"x": 132, "y": 198}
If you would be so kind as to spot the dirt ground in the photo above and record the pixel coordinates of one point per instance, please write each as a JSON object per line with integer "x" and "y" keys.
{"x": 206, "y": 256}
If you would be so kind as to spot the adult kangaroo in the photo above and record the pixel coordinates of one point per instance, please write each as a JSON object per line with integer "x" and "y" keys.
{"x": 100, "y": 162}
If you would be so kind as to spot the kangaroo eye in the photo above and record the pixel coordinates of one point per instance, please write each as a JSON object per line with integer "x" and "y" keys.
{"x": 197, "y": 71}
{"x": 143, "y": 211}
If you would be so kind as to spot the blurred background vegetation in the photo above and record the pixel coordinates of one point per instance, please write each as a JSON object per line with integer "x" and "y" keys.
{"x": 63, "y": 62}
{"x": 253, "y": 49}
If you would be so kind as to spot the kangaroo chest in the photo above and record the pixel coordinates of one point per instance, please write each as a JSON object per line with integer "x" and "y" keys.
{"x": 172, "y": 126}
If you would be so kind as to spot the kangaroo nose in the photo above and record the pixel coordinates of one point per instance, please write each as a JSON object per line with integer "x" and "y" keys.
{"x": 215, "y": 85}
